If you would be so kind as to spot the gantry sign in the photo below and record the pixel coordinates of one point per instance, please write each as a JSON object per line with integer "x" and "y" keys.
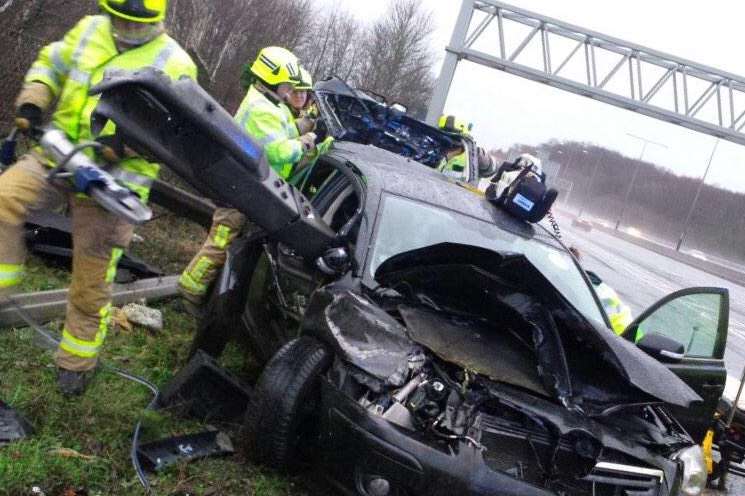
{"x": 654, "y": 83}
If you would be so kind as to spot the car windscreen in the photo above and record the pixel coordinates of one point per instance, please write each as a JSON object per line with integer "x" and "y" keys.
{"x": 405, "y": 224}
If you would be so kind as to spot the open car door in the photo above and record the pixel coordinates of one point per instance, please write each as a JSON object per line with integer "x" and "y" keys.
{"x": 687, "y": 330}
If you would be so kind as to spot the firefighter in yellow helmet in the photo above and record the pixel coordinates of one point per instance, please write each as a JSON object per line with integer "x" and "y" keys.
{"x": 619, "y": 314}
{"x": 266, "y": 115}
{"x": 455, "y": 164}
{"x": 128, "y": 35}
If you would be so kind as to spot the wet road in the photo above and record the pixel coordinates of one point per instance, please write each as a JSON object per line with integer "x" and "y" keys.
{"x": 641, "y": 277}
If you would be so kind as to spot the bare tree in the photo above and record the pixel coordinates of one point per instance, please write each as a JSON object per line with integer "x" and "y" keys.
{"x": 397, "y": 61}
{"x": 336, "y": 46}
{"x": 28, "y": 25}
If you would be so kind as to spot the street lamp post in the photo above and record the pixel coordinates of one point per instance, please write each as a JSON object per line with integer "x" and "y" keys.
{"x": 695, "y": 199}
{"x": 633, "y": 176}
{"x": 589, "y": 187}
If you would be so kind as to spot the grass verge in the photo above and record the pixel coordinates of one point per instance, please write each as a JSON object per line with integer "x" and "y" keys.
{"x": 81, "y": 446}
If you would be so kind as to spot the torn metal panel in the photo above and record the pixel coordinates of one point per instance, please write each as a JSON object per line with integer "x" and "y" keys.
{"x": 362, "y": 333}
{"x": 157, "y": 455}
{"x": 13, "y": 426}
{"x": 476, "y": 345}
{"x": 506, "y": 287}
{"x": 206, "y": 391}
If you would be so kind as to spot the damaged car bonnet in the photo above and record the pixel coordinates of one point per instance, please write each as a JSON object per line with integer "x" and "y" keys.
{"x": 514, "y": 297}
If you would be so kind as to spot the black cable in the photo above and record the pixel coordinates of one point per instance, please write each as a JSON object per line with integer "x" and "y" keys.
{"x": 554, "y": 224}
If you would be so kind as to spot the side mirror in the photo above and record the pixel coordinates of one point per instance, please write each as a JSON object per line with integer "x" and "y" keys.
{"x": 662, "y": 348}
{"x": 334, "y": 262}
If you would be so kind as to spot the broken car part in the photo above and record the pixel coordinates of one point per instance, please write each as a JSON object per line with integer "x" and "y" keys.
{"x": 205, "y": 391}
{"x": 180, "y": 125}
{"x": 157, "y": 455}
{"x": 49, "y": 235}
{"x": 13, "y": 426}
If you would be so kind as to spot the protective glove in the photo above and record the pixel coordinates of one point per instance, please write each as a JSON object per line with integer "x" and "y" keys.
{"x": 305, "y": 125}
{"x": 308, "y": 140}
{"x": 325, "y": 145}
{"x": 28, "y": 116}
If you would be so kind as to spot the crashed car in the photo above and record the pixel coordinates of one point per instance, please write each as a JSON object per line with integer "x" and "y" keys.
{"x": 351, "y": 114}
{"x": 417, "y": 339}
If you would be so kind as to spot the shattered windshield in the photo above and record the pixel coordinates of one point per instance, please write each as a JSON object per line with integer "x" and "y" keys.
{"x": 407, "y": 224}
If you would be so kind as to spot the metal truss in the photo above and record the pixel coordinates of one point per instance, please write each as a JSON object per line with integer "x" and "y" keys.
{"x": 655, "y": 84}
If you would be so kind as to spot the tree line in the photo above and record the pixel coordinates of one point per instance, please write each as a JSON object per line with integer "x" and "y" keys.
{"x": 390, "y": 56}
{"x": 595, "y": 180}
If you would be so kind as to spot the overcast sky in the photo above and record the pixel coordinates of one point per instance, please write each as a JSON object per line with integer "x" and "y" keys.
{"x": 506, "y": 109}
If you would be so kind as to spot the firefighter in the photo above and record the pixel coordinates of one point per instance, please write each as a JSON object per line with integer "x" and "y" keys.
{"x": 266, "y": 116}
{"x": 128, "y": 34}
{"x": 618, "y": 313}
{"x": 456, "y": 161}
{"x": 300, "y": 99}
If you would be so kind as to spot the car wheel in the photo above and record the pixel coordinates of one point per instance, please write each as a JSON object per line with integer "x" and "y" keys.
{"x": 285, "y": 401}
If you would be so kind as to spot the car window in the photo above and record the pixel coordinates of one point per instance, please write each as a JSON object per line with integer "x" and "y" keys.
{"x": 330, "y": 192}
{"x": 405, "y": 224}
{"x": 692, "y": 320}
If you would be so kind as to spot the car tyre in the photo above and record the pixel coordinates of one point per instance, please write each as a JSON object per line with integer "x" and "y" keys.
{"x": 285, "y": 401}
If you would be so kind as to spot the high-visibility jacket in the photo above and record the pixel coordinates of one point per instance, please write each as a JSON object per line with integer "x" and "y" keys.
{"x": 273, "y": 126}
{"x": 618, "y": 313}
{"x": 70, "y": 67}
{"x": 456, "y": 166}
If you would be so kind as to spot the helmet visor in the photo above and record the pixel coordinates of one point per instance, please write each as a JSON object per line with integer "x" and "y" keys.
{"x": 133, "y": 33}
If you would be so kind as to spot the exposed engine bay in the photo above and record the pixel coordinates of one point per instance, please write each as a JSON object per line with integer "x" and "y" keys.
{"x": 356, "y": 116}
{"x": 455, "y": 379}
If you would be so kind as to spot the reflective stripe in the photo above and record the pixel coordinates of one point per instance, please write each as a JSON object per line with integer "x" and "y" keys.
{"x": 265, "y": 140}
{"x": 11, "y": 275}
{"x": 43, "y": 72}
{"x": 130, "y": 177}
{"x": 79, "y": 76}
{"x": 87, "y": 37}
{"x": 222, "y": 234}
{"x": 193, "y": 281}
{"x": 57, "y": 61}
{"x": 164, "y": 56}
{"x": 116, "y": 255}
{"x": 83, "y": 348}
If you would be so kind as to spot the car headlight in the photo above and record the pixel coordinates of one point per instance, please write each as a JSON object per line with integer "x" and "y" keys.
{"x": 694, "y": 471}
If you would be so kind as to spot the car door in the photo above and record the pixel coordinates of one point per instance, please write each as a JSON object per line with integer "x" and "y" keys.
{"x": 283, "y": 280}
{"x": 698, "y": 319}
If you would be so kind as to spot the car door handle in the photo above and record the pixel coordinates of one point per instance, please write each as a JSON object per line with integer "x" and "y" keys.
{"x": 713, "y": 386}
{"x": 672, "y": 354}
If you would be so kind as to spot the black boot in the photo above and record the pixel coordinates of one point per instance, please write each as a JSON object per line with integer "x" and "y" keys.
{"x": 71, "y": 383}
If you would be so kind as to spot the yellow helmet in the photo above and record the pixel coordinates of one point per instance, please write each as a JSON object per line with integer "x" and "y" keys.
{"x": 452, "y": 125}
{"x": 147, "y": 11}
{"x": 277, "y": 65}
{"x": 306, "y": 80}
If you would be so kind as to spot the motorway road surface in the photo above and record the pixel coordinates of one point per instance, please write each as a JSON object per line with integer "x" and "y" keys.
{"x": 641, "y": 277}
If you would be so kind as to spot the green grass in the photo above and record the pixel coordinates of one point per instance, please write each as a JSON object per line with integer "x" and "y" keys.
{"x": 99, "y": 424}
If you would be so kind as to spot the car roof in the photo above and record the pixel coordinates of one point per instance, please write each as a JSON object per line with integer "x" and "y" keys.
{"x": 385, "y": 171}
